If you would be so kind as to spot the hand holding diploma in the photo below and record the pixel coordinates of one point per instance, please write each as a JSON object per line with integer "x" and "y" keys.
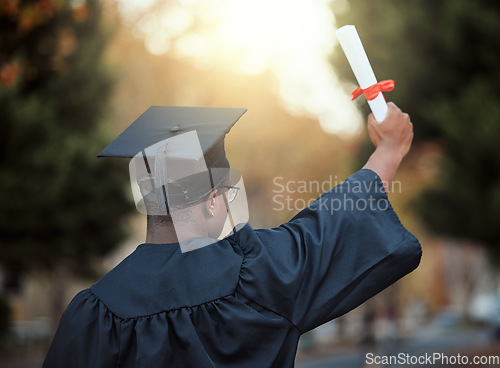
{"x": 393, "y": 141}
{"x": 392, "y": 138}
{"x": 395, "y": 135}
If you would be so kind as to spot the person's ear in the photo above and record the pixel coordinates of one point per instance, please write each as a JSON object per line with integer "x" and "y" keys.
{"x": 210, "y": 204}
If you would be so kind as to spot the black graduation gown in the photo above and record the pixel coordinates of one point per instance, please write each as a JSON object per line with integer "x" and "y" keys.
{"x": 245, "y": 300}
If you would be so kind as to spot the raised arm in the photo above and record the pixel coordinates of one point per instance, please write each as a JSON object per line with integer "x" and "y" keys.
{"x": 392, "y": 139}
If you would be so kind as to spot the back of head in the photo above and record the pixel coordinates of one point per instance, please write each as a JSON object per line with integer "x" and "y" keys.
{"x": 178, "y": 162}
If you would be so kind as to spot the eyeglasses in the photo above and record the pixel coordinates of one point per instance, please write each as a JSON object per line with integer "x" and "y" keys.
{"x": 232, "y": 191}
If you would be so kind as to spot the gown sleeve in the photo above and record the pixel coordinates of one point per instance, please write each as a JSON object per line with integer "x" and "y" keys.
{"x": 335, "y": 254}
{"x": 87, "y": 336}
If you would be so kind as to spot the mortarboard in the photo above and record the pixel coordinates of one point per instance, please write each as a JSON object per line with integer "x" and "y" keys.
{"x": 177, "y": 153}
{"x": 162, "y": 122}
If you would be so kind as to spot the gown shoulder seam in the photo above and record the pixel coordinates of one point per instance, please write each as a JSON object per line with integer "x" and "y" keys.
{"x": 160, "y": 312}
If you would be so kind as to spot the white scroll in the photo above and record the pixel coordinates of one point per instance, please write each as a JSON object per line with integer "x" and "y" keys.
{"x": 356, "y": 56}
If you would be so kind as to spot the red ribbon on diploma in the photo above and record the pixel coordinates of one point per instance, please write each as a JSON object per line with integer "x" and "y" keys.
{"x": 372, "y": 92}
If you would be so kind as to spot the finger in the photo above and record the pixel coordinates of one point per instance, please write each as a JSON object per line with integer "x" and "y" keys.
{"x": 410, "y": 126}
{"x": 371, "y": 121}
{"x": 374, "y": 136}
{"x": 371, "y": 128}
{"x": 410, "y": 134}
{"x": 393, "y": 112}
{"x": 370, "y": 118}
{"x": 391, "y": 106}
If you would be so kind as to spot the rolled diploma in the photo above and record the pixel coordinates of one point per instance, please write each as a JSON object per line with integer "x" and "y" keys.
{"x": 356, "y": 56}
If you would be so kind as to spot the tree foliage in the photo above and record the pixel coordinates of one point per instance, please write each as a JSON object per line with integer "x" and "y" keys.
{"x": 443, "y": 56}
{"x": 59, "y": 203}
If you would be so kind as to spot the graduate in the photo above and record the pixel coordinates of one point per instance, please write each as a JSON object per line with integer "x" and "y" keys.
{"x": 191, "y": 297}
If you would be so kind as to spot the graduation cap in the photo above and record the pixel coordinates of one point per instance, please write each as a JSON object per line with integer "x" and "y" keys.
{"x": 162, "y": 122}
{"x": 177, "y": 154}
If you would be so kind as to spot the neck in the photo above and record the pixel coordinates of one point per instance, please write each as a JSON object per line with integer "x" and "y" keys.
{"x": 161, "y": 232}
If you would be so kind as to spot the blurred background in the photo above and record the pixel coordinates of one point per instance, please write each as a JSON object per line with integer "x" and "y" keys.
{"x": 75, "y": 73}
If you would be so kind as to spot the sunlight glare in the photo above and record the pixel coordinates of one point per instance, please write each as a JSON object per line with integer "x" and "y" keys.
{"x": 293, "y": 39}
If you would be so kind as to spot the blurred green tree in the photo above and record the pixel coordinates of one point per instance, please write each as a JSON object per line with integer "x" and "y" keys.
{"x": 61, "y": 207}
{"x": 444, "y": 57}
